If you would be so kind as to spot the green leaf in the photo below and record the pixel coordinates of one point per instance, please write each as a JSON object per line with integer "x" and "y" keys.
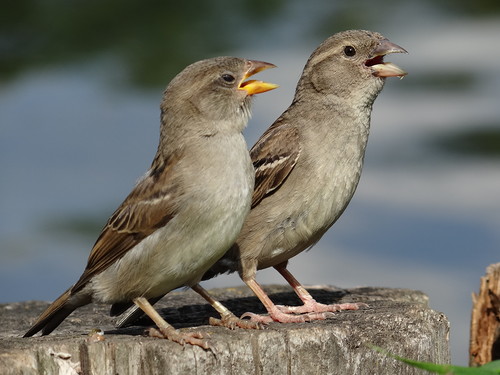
{"x": 492, "y": 368}
{"x": 494, "y": 365}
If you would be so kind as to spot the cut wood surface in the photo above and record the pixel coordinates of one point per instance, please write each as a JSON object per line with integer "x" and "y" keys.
{"x": 397, "y": 320}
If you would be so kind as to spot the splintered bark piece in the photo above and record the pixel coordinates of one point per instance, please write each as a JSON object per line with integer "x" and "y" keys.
{"x": 485, "y": 321}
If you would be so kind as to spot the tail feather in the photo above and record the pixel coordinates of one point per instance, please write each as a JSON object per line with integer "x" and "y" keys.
{"x": 120, "y": 307}
{"x": 57, "y": 312}
{"x": 132, "y": 313}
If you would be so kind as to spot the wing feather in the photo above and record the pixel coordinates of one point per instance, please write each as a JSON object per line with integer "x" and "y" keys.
{"x": 151, "y": 205}
{"x": 274, "y": 156}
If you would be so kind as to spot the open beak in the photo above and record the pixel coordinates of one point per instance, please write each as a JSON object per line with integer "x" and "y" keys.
{"x": 385, "y": 69}
{"x": 253, "y": 87}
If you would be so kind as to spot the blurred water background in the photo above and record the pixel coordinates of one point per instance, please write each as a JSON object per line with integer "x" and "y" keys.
{"x": 80, "y": 86}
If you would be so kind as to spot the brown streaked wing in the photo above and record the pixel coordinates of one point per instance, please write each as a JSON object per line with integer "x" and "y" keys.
{"x": 274, "y": 156}
{"x": 150, "y": 206}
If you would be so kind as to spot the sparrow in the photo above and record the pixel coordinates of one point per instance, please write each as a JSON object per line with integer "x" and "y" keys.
{"x": 188, "y": 208}
{"x": 307, "y": 166}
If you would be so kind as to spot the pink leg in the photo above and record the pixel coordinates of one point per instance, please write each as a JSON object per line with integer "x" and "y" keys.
{"x": 165, "y": 330}
{"x": 275, "y": 314}
{"x": 310, "y": 305}
{"x": 228, "y": 319}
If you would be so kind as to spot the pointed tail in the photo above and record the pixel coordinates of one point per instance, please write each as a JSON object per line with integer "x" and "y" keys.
{"x": 57, "y": 312}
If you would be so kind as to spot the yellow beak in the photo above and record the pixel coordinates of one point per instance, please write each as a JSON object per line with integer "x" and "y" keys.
{"x": 253, "y": 87}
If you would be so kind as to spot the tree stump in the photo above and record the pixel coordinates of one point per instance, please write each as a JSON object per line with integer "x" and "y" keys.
{"x": 485, "y": 322}
{"x": 397, "y": 320}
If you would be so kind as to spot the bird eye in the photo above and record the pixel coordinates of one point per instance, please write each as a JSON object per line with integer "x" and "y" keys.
{"x": 349, "y": 51}
{"x": 228, "y": 78}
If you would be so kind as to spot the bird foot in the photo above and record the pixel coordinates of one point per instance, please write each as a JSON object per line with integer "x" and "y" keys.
{"x": 232, "y": 322}
{"x": 315, "y": 307}
{"x": 281, "y": 317}
{"x": 262, "y": 319}
{"x": 191, "y": 338}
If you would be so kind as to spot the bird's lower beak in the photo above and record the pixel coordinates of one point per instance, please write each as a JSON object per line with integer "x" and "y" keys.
{"x": 253, "y": 87}
{"x": 385, "y": 69}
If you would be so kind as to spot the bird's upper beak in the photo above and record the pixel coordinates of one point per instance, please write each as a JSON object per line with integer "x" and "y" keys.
{"x": 253, "y": 87}
{"x": 385, "y": 69}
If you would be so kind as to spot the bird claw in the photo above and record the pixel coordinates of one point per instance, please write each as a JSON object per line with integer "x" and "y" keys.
{"x": 281, "y": 317}
{"x": 314, "y": 307}
{"x": 182, "y": 338}
{"x": 262, "y": 319}
{"x": 233, "y": 322}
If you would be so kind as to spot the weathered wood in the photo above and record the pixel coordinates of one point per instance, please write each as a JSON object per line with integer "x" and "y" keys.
{"x": 397, "y": 320}
{"x": 485, "y": 321}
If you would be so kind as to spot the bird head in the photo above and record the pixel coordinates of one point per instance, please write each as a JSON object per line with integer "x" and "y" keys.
{"x": 351, "y": 64}
{"x": 215, "y": 90}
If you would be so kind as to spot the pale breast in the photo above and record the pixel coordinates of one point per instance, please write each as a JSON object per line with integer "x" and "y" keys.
{"x": 205, "y": 226}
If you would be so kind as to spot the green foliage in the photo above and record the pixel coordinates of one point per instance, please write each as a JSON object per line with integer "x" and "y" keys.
{"x": 487, "y": 369}
{"x": 152, "y": 39}
{"x": 480, "y": 141}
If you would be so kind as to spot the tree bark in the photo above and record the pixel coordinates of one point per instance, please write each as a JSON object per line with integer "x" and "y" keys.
{"x": 485, "y": 322}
